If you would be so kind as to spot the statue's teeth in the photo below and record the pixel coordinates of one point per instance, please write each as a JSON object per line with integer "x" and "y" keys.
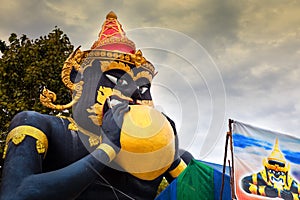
{"x": 114, "y": 102}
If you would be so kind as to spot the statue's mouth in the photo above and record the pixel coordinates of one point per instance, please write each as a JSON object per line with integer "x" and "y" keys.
{"x": 114, "y": 100}
{"x": 278, "y": 181}
{"x": 108, "y": 98}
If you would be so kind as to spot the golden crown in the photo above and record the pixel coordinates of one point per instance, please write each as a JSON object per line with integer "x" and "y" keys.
{"x": 112, "y": 45}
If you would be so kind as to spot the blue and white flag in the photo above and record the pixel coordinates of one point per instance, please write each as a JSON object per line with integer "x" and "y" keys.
{"x": 267, "y": 163}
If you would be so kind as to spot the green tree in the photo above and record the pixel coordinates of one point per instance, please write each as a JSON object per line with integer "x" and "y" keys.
{"x": 25, "y": 66}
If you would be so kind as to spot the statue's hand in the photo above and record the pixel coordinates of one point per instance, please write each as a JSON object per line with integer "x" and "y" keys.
{"x": 112, "y": 124}
{"x": 271, "y": 192}
{"x": 286, "y": 195}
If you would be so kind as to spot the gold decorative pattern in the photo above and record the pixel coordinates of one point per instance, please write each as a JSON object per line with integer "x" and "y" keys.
{"x": 40, "y": 147}
{"x": 143, "y": 74}
{"x": 106, "y": 66}
{"x": 110, "y": 65}
{"x": 103, "y": 93}
{"x": 97, "y": 109}
{"x": 140, "y": 61}
{"x": 18, "y": 134}
{"x": 112, "y": 40}
{"x": 145, "y": 102}
{"x": 96, "y": 113}
{"x": 47, "y": 97}
{"x": 18, "y": 138}
{"x": 93, "y": 138}
{"x": 72, "y": 125}
{"x": 73, "y": 61}
{"x": 136, "y": 59}
{"x": 120, "y": 95}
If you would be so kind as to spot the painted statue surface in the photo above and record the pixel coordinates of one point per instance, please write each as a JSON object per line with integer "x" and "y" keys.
{"x": 115, "y": 146}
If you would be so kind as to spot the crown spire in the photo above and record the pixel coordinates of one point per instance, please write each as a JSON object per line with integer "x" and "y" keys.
{"x": 276, "y": 153}
{"x": 111, "y": 14}
{"x": 113, "y": 37}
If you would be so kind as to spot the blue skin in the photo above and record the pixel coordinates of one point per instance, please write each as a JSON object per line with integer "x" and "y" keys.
{"x": 69, "y": 170}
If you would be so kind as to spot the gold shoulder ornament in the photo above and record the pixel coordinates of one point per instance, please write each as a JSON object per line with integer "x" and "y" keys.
{"x": 18, "y": 134}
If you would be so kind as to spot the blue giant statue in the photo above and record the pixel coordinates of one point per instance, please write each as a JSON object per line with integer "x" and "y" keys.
{"x": 115, "y": 146}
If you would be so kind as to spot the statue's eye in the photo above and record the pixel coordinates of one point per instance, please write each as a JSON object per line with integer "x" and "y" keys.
{"x": 112, "y": 78}
{"x": 117, "y": 81}
{"x": 143, "y": 89}
{"x": 122, "y": 82}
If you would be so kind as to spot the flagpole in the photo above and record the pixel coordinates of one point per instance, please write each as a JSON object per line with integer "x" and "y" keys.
{"x": 224, "y": 165}
{"x": 232, "y": 181}
{"x": 228, "y": 139}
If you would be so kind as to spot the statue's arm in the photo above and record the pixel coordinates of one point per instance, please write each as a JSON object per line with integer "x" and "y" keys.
{"x": 29, "y": 183}
{"x": 22, "y": 173}
{"x": 248, "y": 185}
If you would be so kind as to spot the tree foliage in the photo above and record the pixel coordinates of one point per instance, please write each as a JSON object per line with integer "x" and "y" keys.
{"x": 27, "y": 65}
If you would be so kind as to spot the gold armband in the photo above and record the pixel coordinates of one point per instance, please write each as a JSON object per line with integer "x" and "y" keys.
{"x": 108, "y": 150}
{"x": 180, "y": 167}
{"x": 295, "y": 196}
{"x": 253, "y": 189}
{"x": 261, "y": 190}
{"x": 18, "y": 134}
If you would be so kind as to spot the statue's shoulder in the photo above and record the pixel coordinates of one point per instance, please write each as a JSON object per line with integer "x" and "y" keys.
{"x": 43, "y": 122}
{"x": 32, "y": 116}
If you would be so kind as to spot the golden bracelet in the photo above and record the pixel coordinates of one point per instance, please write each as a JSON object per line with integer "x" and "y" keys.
{"x": 261, "y": 190}
{"x": 108, "y": 150}
{"x": 180, "y": 167}
{"x": 253, "y": 189}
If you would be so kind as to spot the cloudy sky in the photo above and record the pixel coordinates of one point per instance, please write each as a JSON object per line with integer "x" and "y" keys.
{"x": 216, "y": 59}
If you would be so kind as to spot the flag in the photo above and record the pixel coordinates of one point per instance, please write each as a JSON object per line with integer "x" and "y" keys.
{"x": 267, "y": 163}
{"x": 199, "y": 181}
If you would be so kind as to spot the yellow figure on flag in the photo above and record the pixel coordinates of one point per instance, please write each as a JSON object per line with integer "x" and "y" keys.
{"x": 274, "y": 180}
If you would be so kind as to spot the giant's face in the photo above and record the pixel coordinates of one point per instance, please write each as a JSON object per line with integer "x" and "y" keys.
{"x": 277, "y": 173}
{"x": 110, "y": 78}
{"x": 117, "y": 85}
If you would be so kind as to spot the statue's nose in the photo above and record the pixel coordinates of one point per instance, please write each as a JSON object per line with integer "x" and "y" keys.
{"x": 277, "y": 174}
{"x": 136, "y": 94}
